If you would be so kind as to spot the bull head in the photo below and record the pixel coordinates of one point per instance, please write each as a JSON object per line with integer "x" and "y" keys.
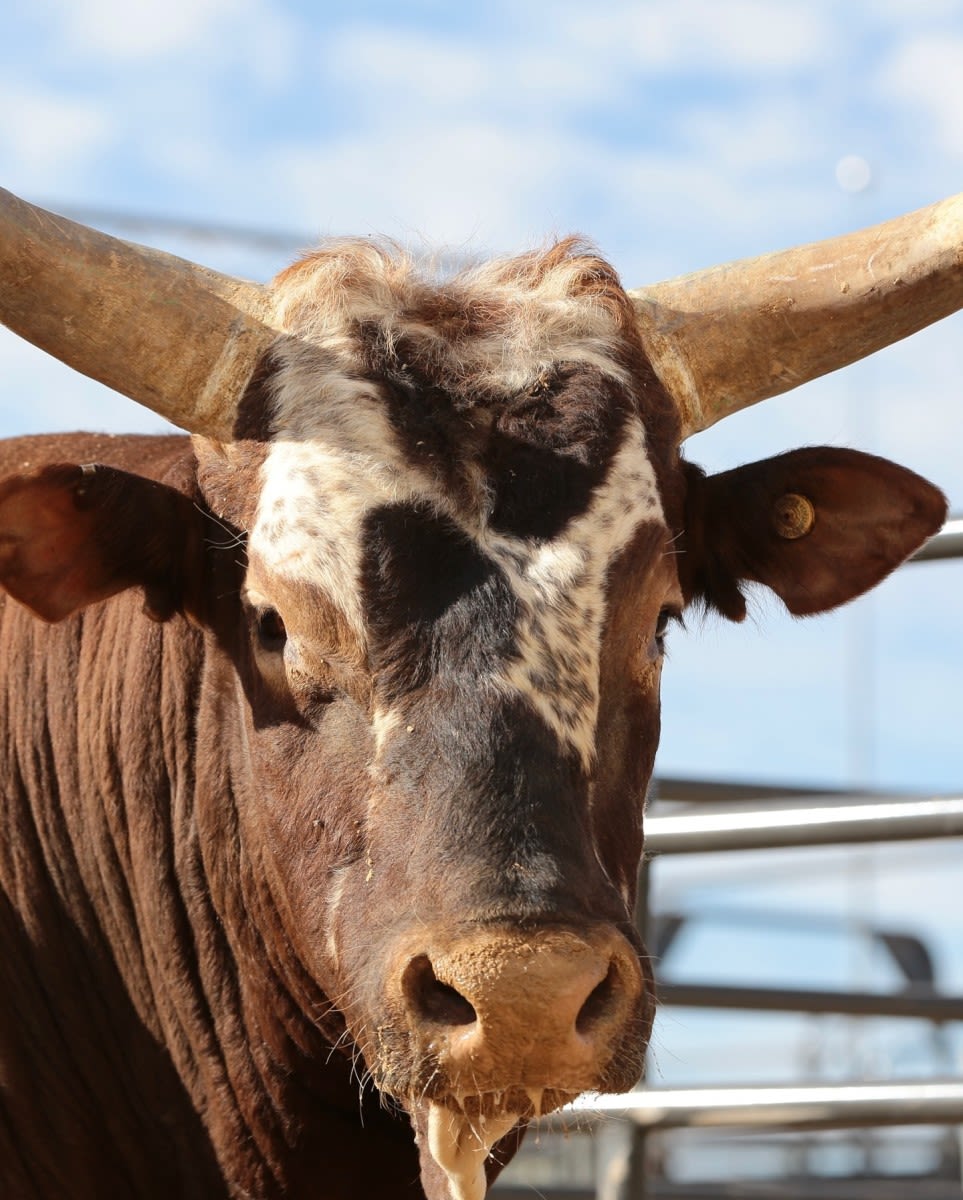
{"x": 513, "y": 437}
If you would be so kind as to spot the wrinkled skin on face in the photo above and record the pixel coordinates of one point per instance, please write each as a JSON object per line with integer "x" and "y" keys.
{"x": 417, "y": 610}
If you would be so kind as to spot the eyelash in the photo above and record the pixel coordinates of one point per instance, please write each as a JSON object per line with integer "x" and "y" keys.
{"x": 665, "y": 618}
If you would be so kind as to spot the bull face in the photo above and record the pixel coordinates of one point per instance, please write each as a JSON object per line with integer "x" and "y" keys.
{"x": 453, "y": 532}
{"x": 433, "y": 668}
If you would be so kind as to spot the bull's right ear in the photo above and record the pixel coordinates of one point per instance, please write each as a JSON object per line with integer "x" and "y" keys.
{"x": 72, "y": 535}
{"x": 817, "y": 526}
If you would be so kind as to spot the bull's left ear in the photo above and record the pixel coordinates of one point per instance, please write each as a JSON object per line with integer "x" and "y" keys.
{"x": 818, "y": 526}
{"x": 72, "y": 535}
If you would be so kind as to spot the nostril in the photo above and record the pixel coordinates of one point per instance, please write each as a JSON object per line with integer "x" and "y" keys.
{"x": 599, "y": 1004}
{"x": 432, "y": 999}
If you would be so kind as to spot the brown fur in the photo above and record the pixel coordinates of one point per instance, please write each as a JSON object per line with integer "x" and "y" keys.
{"x": 137, "y": 994}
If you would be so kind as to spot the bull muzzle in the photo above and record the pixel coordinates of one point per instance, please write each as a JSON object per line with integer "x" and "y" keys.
{"x": 499, "y": 1026}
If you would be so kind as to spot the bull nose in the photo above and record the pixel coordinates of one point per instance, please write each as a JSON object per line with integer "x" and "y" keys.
{"x": 501, "y": 1010}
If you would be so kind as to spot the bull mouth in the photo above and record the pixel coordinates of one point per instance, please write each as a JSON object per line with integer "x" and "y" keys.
{"x": 524, "y": 1102}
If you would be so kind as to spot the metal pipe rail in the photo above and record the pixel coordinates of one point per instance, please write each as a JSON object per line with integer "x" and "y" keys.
{"x": 914, "y": 1005}
{"x": 820, "y": 1188}
{"x": 948, "y": 543}
{"x": 769, "y": 829}
{"x": 838, "y": 1106}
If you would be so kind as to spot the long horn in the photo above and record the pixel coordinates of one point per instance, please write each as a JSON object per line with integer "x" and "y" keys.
{"x": 723, "y": 339}
{"x": 175, "y": 337}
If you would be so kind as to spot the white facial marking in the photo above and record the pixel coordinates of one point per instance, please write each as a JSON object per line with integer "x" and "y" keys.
{"x": 385, "y": 722}
{"x": 561, "y": 591}
{"x": 334, "y": 458}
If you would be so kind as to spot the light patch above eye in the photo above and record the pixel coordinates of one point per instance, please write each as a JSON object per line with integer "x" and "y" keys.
{"x": 254, "y": 598}
{"x": 317, "y": 492}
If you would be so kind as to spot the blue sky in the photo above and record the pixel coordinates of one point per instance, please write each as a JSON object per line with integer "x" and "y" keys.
{"x": 674, "y": 133}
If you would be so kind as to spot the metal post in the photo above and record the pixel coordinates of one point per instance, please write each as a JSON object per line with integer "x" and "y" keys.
{"x": 636, "y": 1175}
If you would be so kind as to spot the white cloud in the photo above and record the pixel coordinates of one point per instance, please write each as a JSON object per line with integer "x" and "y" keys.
{"x": 925, "y": 75}
{"x": 750, "y": 136}
{"x": 692, "y": 35}
{"x": 390, "y": 72}
{"x": 46, "y": 135}
{"x": 137, "y": 29}
{"x": 410, "y": 66}
{"x": 470, "y": 182}
{"x": 198, "y": 38}
{"x": 919, "y": 12}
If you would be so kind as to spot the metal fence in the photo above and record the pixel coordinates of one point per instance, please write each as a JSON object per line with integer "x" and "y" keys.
{"x": 791, "y": 1107}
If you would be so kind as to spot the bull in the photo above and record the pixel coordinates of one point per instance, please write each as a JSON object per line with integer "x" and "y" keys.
{"x": 324, "y": 765}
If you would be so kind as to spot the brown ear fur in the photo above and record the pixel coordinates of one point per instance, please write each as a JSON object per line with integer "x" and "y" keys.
{"x": 71, "y": 535}
{"x": 818, "y": 526}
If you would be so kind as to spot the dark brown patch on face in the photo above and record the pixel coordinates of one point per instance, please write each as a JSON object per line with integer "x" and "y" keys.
{"x": 530, "y": 458}
{"x": 484, "y": 816}
{"x": 255, "y": 410}
{"x": 542, "y": 452}
{"x": 437, "y": 606}
{"x": 550, "y": 449}
{"x": 440, "y": 432}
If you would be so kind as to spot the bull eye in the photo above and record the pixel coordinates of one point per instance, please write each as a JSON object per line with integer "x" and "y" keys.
{"x": 662, "y": 627}
{"x": 271, "y": 634}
